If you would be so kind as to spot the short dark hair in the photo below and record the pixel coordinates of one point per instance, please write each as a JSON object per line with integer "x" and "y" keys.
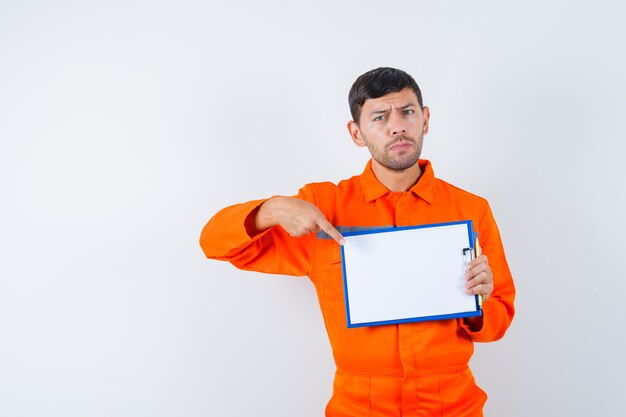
{"x": 377, "y": 83}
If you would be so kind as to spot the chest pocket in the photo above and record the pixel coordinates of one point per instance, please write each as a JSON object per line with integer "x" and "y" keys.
{"x": 329, "y": 277}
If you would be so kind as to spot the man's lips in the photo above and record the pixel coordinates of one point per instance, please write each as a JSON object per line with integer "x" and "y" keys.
{"x": 401, "y": 145}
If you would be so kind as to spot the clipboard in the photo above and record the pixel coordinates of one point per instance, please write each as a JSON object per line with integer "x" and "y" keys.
{"x": 407, "y": 274}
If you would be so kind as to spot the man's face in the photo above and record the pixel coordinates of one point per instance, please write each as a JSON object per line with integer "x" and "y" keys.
{"x": 393, "y": 128}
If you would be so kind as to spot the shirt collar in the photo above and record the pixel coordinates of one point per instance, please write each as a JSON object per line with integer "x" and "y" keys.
{"x": 424, "y": 188}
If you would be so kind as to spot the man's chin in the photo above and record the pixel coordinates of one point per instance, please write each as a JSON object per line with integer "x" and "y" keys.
{"x": 402, "y": 165}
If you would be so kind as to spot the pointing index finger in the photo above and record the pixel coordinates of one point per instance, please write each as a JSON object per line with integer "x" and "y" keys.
{"x": 332, "y": 232}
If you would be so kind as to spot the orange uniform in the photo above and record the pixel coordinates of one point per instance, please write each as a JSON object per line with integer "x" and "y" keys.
{"x": 410, "y": 369}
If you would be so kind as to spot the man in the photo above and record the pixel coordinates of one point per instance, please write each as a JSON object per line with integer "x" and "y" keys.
{"x": 409, "y": 369}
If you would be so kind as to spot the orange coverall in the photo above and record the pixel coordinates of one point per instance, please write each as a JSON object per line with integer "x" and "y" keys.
{"x": 409, "y": 369}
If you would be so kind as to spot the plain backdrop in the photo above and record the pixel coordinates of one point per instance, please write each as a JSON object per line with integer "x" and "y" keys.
{"x": 124, "y": 125}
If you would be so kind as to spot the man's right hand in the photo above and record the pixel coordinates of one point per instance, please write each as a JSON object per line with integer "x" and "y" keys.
{"x": 297, "y": 217}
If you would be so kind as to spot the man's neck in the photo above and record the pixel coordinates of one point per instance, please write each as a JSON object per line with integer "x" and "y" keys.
{"x": 397, "y": 180}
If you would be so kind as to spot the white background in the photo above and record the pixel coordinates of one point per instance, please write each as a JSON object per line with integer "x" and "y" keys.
{"x": 124, "y": 125}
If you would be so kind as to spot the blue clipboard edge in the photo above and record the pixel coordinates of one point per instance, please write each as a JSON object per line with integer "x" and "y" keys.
{"x": 472, "y": 239}
{"x": 419, "y": 319}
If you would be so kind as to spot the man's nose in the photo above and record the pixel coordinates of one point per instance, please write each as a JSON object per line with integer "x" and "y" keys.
{"x": 397, "y": 125}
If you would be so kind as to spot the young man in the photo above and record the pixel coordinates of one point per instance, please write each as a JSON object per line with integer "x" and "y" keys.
{"x": 409, "y": 369}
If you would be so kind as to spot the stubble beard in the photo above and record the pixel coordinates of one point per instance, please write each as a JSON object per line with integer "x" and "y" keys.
{"x": 403, "y": 160}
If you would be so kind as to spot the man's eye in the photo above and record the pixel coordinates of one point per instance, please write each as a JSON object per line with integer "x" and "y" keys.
{"x": 409, "y": 111}
{"x": 379, "y": 118}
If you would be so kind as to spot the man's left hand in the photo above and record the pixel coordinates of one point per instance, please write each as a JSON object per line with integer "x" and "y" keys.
{"x": 479, "y": 278}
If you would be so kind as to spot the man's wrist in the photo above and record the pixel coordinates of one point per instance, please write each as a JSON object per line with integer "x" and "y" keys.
{"x": 263, "y": 216}
{"x": 258, "y": 219}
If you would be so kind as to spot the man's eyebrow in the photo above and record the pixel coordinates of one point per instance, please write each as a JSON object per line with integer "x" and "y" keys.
{"x": 386, "y": 110}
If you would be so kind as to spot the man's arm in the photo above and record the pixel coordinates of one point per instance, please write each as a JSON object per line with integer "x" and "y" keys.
{"x": 273, "y": 235}
{"x": 490, "y": 276}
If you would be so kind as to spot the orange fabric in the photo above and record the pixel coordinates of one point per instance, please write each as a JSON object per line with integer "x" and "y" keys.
{"x": 411, "y": 369}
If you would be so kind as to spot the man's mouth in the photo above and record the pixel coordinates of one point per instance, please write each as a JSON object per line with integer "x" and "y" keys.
{"x": 401, "y": 145}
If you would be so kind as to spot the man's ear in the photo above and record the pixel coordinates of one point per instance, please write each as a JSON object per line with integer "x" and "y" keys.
{"x": 355, "y": 133}
{"x": 426, "y": 114}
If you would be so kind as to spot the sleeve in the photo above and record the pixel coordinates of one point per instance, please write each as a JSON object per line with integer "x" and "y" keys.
{"x": 498, "y": 310}
{"x": 271, "y": 251}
